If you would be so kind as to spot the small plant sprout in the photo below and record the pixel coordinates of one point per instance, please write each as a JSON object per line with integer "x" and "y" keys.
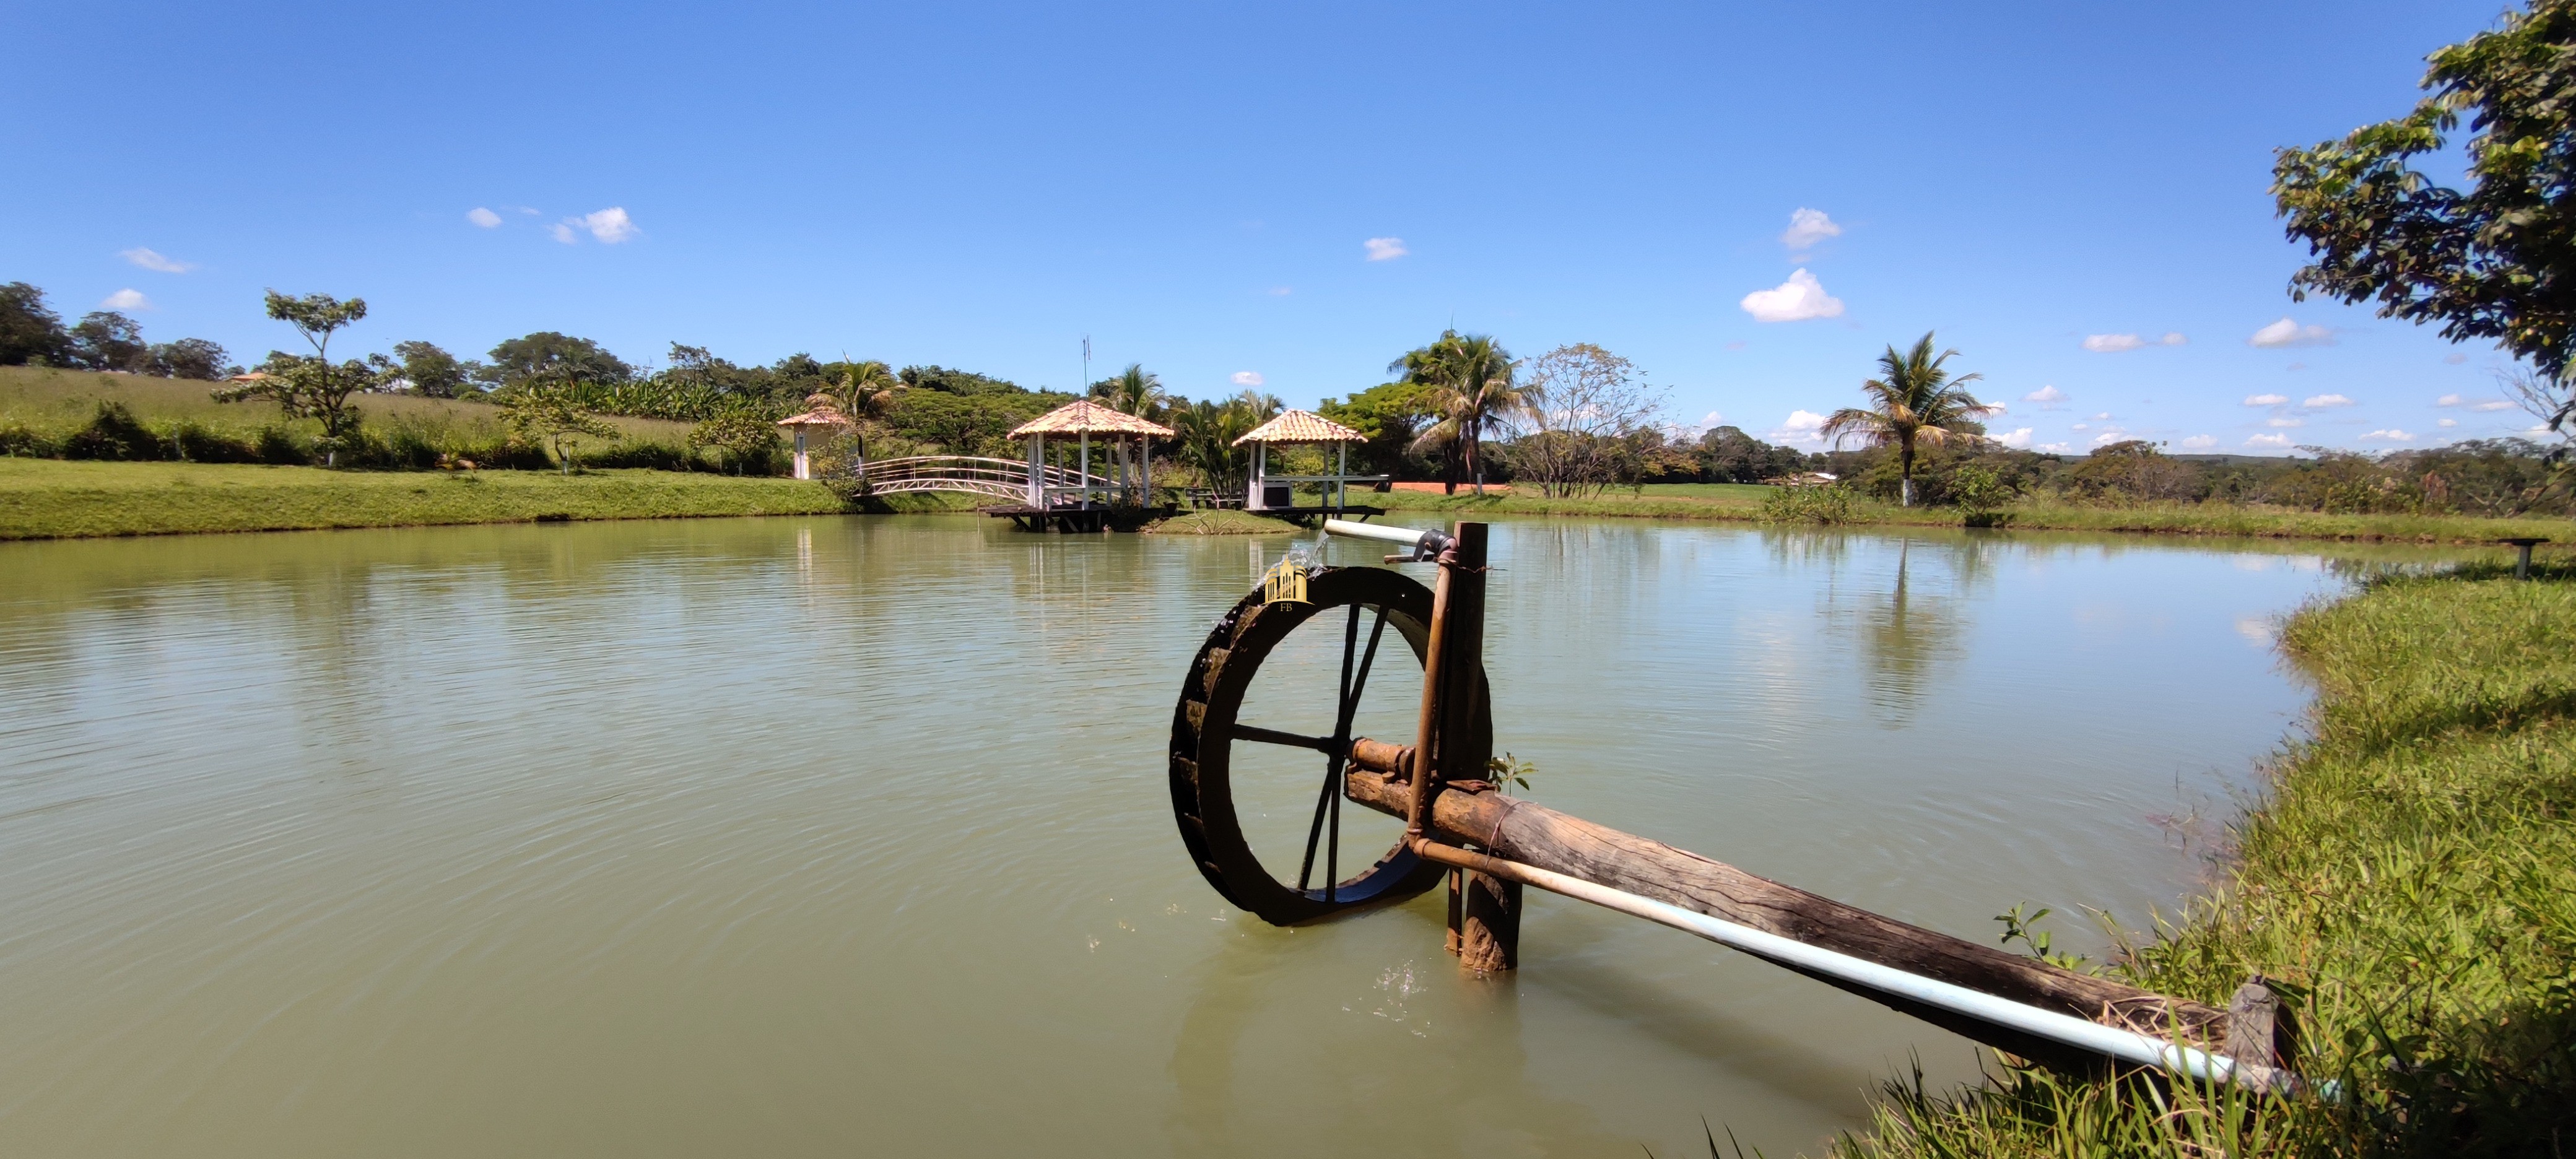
{"x": 1508, "y": 771}
{"x": 2024, "y": 929}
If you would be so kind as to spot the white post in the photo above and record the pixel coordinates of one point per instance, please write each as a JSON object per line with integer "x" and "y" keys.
{"x": 1260, "y": 467}
{"x": 1145, "y": 470}
{"x": 1037, "y": 470}
{"x": 1342, "y": 485}
{"x": 1086, "y": 469}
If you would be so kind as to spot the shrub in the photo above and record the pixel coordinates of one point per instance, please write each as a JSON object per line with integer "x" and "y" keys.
{"x": 18, "y": 440}
{"x": 197, "y": 444}
{"x": 1823, "y": 506}
{"x": 276, "y": 446}
{"x": 641, "y": 453}
{"x": 114, "y": 434}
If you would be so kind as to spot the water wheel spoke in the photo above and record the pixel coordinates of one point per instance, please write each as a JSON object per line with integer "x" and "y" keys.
{"x": 1328, "y": 803}
{"x": 1321, "y": 744}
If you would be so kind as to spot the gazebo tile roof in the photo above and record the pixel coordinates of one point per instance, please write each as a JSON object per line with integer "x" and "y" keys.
{"x": 1083, "y": 416}
{"x": 1301, "y": 426}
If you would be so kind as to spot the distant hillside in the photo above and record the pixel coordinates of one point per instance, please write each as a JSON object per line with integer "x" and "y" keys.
{"x": 55, "y": 400}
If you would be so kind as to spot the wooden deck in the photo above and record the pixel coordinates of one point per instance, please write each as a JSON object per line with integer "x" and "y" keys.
{"x": 1310, "y": 516}
{"x": 1070, "y": 520}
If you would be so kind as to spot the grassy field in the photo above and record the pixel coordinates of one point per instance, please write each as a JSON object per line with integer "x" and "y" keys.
{"x": 1721, "y": 501}
{"x": 60, "y": 400}
{"x": 46, "y": 498}
{"x": 2410, "y": 880}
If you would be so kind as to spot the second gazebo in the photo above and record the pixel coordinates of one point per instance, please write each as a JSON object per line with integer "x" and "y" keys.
{"x": 1277, "y": 494}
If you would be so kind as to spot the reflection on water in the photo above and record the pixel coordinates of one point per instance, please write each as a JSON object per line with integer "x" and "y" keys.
{"x": 817, "y": 836}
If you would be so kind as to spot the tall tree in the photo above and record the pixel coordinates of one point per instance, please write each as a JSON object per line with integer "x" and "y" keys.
{"x": 2496, "y": 260}
{"x": 30, "y": 331}
{"x": 1471, "y": 377}
{"x": 107, "y": 340}
{"x": 191, "y": 358}
{"x": 1913, "y": 400}
{"x": 1581, "y": 408}
{"x": 558, "y": 358}
{"x": 309, "y": 386}
{"x": 431, "y": 371}
{"x": 866, "y": 392}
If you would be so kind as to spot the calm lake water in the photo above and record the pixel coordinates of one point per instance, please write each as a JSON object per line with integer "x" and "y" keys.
{"x": 850, "y": 836}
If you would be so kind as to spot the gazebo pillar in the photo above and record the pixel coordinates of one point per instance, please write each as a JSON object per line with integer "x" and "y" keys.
{"x": 1144, "y": 471}
{"x": 1037, "y": 470}
{"x": 1085, "y": 468}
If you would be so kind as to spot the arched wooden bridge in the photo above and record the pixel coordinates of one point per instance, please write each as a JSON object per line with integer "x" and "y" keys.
{"x": 1001, "y": 480}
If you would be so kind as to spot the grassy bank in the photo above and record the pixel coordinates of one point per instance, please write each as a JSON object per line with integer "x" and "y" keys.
{"x": 2410, "y": 878}
{"x": 45, "y": 498}
{"x": 1221, "y": 522}
{"x": 1744, "y": 504}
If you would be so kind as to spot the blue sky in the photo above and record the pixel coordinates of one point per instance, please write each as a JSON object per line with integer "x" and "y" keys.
{"x": 1196, "y": 187}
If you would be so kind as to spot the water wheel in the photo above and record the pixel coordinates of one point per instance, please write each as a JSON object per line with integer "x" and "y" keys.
{"x": 1231, "y": 775}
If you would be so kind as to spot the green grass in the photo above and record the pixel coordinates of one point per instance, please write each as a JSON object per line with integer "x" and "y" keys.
{"x": 62, "y": 400}
{"x": 1743, "y": 503}
{"x": 1220, "y": 522}
{"x": 47, "y": 498}
{"x": 2411, "y": 877}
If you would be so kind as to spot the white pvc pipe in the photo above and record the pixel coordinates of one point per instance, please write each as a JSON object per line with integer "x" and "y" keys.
{"x": 2126, "y": 1045}
{"x": 1408, "y": 536}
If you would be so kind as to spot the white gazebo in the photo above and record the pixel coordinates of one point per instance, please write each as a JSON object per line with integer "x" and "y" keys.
{"x": 1081, "y": 419}
{"x": 820, "y": 417}
{"x": 1270, "y": 492}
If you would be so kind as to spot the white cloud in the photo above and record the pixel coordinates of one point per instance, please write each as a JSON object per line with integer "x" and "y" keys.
{"x": 1802, "y": 428}
{"x": 2082, "y": 426}
{"x": 2268, "y": 441}
{"x": 565, "y": 233}
{"x": 2448, "y": 400}
{"x": 2115, "y": 343}
{"x": 2288, "y": 333}
{"x": 152, "y": 260}
{"x": 2103, "y": 417}
{"x": 2052, "y": 448}
{"x": 1281, "y": 291}
{"x": 2198, "y": 443}
{"x": 610, "y": 225}
{"x": 1710, "y": 419}
{"x": 2493, "y": 404}
{"x": 2018, "y": 440}
{"x": 1807, "y": 227}
{"x": 128, "y": 299}
{"x": 1996, "y": 408}
{"x": 2392, "y": 435}
{"x": 2284, "y": 423}
{"x": 1795, "y": 300}
{"x": 483, "y": 217}
{"x": 2267, "y": 400}
{"x": 2322, "y": 401}
{"x": 1247, "y": 378}
{"x": 1384, "y": 249}
{"x": 2450, "y": 422}
{"x": 2454, "y": 359}
{"x": 2048, "y": 397}
{"x": 2107, "y": 438}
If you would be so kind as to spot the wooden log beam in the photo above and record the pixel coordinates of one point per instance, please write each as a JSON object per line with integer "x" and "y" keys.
{"x": 1517, "y": 830}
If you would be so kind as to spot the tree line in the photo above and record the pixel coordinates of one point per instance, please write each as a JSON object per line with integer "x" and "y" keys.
{"x": 32, "y": 334}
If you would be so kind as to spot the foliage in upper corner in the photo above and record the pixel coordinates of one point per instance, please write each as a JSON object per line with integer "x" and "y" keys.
{"x": 2492, "y": 261}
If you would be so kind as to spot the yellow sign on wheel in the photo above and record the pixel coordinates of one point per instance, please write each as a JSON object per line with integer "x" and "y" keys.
{"x": 1285, "y": 583}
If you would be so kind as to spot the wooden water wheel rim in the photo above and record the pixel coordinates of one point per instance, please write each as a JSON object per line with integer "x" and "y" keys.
{"x": 1205, "y": 729}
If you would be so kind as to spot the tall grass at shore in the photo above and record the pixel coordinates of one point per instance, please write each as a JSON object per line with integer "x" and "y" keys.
{"x": 2409, "y": 880}
{"x": 2218, "y": 519}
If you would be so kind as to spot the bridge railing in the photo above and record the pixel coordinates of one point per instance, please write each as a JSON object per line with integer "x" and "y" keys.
{"x": 1005, "y": 479}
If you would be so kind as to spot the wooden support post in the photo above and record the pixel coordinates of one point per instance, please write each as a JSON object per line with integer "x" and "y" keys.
{"x": 1484, "y": 926}
{"x": 1489, "y": 929}
{"x": 2260, "y": 1030}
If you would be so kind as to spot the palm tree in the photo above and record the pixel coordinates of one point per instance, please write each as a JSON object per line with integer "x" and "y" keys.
{"x": 1471, "y": 379}
{"x": 866, "y": 393}
{"x": 1913, "y": 400}
{"x": 1134, "y": 391}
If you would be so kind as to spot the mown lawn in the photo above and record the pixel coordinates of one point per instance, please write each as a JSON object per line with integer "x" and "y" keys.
{"x": 48, "y": 498}
{"x": 2409, "y": 880}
